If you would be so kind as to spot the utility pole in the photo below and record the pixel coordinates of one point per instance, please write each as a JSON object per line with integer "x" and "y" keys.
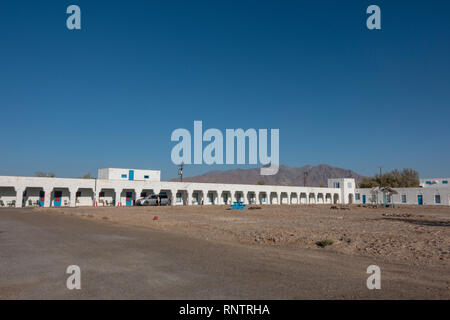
{"x": 381, "y": 175}
{"x": 180, "y": 172}
{"x": 305, "y": 174}
{"x": 381, "y": 180}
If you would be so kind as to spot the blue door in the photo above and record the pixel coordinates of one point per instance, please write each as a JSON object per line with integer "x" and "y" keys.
{"x": 41, "y": 198}
{"x": 420, "y": 199}
{"x": 364, "y": 199}
{"x": 57, "y": 200}
{"x": 129, "y": 198}
{"x": 131, "y": 175}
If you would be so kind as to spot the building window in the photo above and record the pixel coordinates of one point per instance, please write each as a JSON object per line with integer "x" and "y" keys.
{"x": 357, "y": 196}
{"x": 124, "y": 176}
{"x": 101, "y": 194}
{"x": 437, "y": 199}
{"x": 444, "y": 181}
{"x": 403, "y": 198}
{"x": 349, "y": 185}
{"x": 78, "y": 194}
{"x": 336, "y": 184}
{"x": 146, "y": 177}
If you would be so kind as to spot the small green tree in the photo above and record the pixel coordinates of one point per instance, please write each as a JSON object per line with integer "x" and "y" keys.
{"x": 44, "y": 174}
{"x": 394, "y": 179}
{"x": 261, "y": 182}
{"x": 86, "y": 176}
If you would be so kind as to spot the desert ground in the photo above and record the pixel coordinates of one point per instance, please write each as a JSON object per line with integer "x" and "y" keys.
{"x": 213, "y": 252}
{"x": 411, "y": 234}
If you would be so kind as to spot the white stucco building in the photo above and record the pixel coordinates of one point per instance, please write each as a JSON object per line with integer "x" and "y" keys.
{"x": 435, "y": 182}
{"x": 121, "y": 187}
{"x": 436, "y": 194}
{"x": 129, "y": 174}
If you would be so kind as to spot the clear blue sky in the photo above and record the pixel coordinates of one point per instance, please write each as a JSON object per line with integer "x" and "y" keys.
{"x": 111, "y": 94}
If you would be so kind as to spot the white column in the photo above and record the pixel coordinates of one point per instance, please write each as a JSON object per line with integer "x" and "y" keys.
{"x": 189, "y": 197}
{"x": 278, "y": 198}
{"x": 73, "y": 196}
{"x": 174, "y": 197}
{"x": 232, "y": 198}
{"x": 137, "y": 193}
{"x": 96, "y": 196}
{"x": 19, "y": 197}
{"x": 117, "y": 198}
{"x": 205, "y": 198}
{"x": 246, "y": 197}
{"x": 219, "y": 197}
{"x": 48, "y": 197}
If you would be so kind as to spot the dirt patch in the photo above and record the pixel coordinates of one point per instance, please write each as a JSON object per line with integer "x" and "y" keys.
{"x": 413, "y": 234}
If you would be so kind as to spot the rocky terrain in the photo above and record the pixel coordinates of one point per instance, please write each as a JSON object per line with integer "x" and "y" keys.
{"x": 286, "y": 176}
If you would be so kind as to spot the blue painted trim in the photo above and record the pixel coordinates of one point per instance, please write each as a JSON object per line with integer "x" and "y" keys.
{"x": 131, "y": 175}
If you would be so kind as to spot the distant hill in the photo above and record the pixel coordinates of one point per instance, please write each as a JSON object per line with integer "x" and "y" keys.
{"x": 286, "y": 176}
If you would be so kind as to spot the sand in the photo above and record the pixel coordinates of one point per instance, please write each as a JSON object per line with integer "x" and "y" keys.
{"x": 418, "y": 235}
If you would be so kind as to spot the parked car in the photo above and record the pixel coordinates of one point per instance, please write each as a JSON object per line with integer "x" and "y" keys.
{"x": 152, "y": 200}
{"x": 141, "y": 201}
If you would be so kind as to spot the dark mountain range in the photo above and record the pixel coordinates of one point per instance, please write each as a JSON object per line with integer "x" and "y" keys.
{"x": 286, "y": 176}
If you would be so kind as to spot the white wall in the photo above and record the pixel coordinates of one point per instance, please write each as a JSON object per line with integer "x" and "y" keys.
{"x": 123, "y": 174}
{"x": 114, "y": 191}
{"x": 411, "y": 194}
{"x": 435, "y": 182}
{"x": 347, "y": 187}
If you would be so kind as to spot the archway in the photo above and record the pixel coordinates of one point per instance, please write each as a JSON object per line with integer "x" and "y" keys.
{"x": 335, "y": 198}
